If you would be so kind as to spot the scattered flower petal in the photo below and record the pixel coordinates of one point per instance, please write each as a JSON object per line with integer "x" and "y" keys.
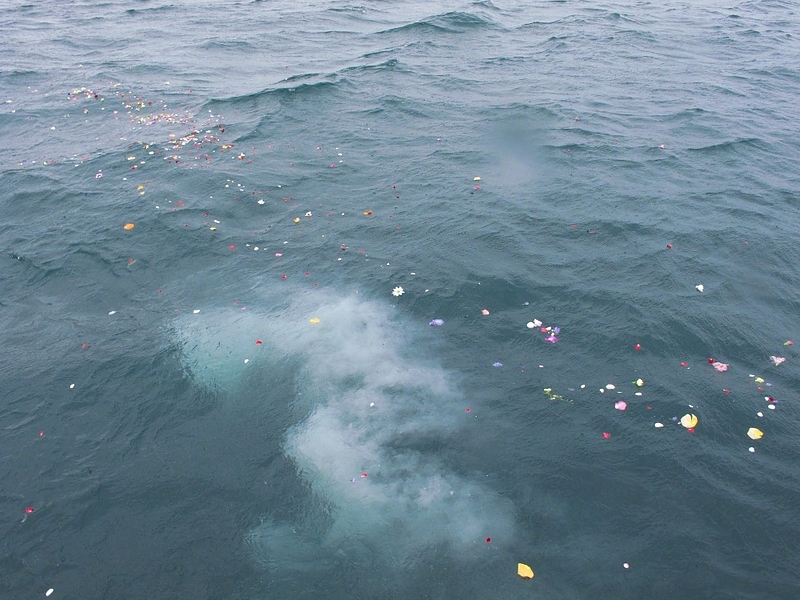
{"x": 639, "y": 382}
{"x": 658, "y": 425}
{"x": 484, "y": 312}
{"x": 699, "y": 287}
{"x": 776, "y": 360}
{"x": 398, "y": 291}
{"x": 610, "y": 386}
{"x": 721, "y": 367}
{"x": 689, "y": 421}
{"x": 313, "y": 320}
{"x": 755, "y": 434}
{"x": 621, "y": 405}
{"x": 524, "y": 571}
{"x": 436, "y": 323}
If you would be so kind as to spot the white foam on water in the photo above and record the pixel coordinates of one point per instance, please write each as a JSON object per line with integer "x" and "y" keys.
{"x": 373, "y": 414}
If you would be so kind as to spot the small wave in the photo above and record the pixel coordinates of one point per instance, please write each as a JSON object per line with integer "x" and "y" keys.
{"x": 233, "y": 45}
{"x": 285, "y": 88}
{"x": 732, "y": 147}
{"x": 349, "y": 9}
{"x": 149, "y": 9}
{"x": 389, "y": 65}
{"x": 451, "y": 22}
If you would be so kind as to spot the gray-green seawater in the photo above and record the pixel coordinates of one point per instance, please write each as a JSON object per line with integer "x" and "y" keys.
{"x": 181, "y": 428}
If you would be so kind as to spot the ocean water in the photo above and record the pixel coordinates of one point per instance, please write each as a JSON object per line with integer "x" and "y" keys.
{"x": 234, "y": 400}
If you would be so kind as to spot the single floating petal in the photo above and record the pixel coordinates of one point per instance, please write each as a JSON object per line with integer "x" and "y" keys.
{"x": 621, "y": 405}
{"x": 755, "y": 434}
{"x": 639, "y": 382}
{"x": 721, "y": 367}
{"x": 436, "y": 323}
{"x": 699, "y": 287}
{"x": 776, "y": 360}
{"x": 313, "y": 320}
{"x": 689, "y": 421}
{"x": 525, "y": 571}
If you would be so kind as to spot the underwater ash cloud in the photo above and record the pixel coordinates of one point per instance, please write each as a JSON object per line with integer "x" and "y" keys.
{"x": 365, "y": 442}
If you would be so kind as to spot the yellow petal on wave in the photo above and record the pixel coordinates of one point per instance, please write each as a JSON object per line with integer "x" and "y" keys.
{"x": 755, "y": 434}
{"x": 313, "y": 320}
{"x": 524, "y": 571}
{"x": 689, "y": 421}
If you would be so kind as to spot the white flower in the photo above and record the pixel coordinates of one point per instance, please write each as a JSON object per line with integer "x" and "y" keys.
{"x": 398, "y": 291}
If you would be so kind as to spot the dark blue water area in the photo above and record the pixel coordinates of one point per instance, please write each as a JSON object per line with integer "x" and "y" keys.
{"x": 242, "y": 396}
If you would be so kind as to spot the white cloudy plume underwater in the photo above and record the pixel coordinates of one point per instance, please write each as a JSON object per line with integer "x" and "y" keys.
{"x": 371, "y": 415}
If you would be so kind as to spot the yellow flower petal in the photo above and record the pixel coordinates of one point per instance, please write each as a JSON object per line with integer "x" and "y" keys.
{"x": 755, "y": 434}
{"x": 689, "y": 421}
{"x": 524, "y": 571}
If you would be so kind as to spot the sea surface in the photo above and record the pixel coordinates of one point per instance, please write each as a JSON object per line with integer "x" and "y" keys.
{"x": 376, "y": 300}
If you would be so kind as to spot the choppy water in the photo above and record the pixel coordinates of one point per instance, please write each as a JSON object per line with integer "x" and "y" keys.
{"x": 181, "y": 428}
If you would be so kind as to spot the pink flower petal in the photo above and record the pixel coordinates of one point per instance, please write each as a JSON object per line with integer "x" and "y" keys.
{"x": 720, "y": 366}
{"x": 621, "y": 405}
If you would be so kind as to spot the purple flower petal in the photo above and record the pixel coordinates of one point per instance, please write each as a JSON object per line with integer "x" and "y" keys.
{"x": 436, "y": 323}
{"x": 551, "y": 338}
